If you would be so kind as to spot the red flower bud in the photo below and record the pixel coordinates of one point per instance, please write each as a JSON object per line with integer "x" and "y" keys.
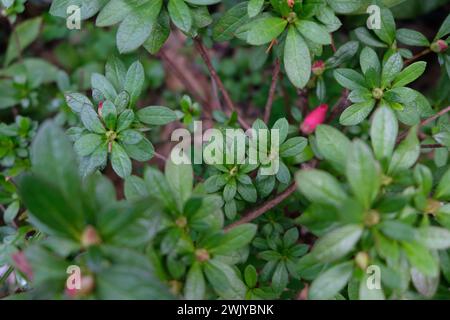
{"x": 100, "y": 107}
{"x": 315, "y": 118}
{"x": 290, "y": 3}
{"x": 22, "y": 264}
{"x": 318, "y": 67}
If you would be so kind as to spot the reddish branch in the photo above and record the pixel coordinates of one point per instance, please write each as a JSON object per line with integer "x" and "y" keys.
{"x": 229, "y": 103}
{"x": 340, "y": 105}
{"x": 425, "y": 122}
{"x": 432, "y": 146}
{"x": 253, "y": 214}
{"x": 273, "y": 88}
{"x": 417, "y": 56}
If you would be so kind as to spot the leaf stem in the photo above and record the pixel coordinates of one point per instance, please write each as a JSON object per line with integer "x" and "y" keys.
{"x": 6, "y": 275}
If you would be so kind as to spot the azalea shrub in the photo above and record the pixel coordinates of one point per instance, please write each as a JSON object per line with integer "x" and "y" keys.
{"x": 327, "y": 122}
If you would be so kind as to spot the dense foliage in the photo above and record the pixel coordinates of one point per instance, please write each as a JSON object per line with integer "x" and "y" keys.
{"x": 361, "y": 191}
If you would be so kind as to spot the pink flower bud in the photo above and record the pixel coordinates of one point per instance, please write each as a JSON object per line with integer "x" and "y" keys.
{"x": 22, "y": 264}
{"x": 290, "y": 3}
{"x": 315, "y": 118}
{"x": 318, "y": 67}
{"x": 439, "y": 46}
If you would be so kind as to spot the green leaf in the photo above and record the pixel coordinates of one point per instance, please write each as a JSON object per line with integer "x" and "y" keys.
{"x": 194, "y": 288}
{"x": 333, "y": 146}
{"x": 350, "y": 79}
{"x": 250, "y": 276}
{"x": 280, "y": 278}
{"x": 388, "y": 28}
{"x": 125, "y": 120}
{"x": 293, "y": 147}
{"x": 398, "y": 230}
{"x": 247, "y": 192}
{"x": 109, "y": 114}
{"x": 137, "y": 26}
{"x": 425, "y": 285}
{"x": 366, "y": 293}
{"x": 410, "y": 74}
{"x": 264, "y": 30}
{"x": 357, "y": 113}
{"x": 159, "y": 34}
{"x": 88, "y": 143}
{"x": 22, "y": 36}
{"x": 76, "y": 101}
{"x": 282, "y": 125}
{"x": 180, "y": 178}
{"x": 367, "y": 38}
{"x": 313, "y": 31}
{"x": 120, "y": 161}
{"x": 156, "y": 115}
{"x": 369, "y": 60}
{"x": 115, "y": 72}
{"x": 412, "y": 38}
{"x": 142, "y": 151}
{"x": 444, "y": 29}
{"x": 134, "y": 81}
{"x": 329, "y": 283}
{"x": 224, "y": 280}
{"x": 383, "y": 133}
{"x": 130, "y": 136}
{"x": 229, "y": 22}
{"x": 406, "y": 154}
{"x": 297, "y": 59}
{"x": 391, "y": 69}
{"x": 337, "y": 243}
{"x": 443, "y": 188}
{"x": 319, "y": 186}
{"x": 90, "y": 120}
{"x": 363, "y": 173}
{"x": 180, "y": 14}
{"x": 235, "y": 239}
{"x": 255, "y": 7}
{"x": 100, "y": 83}
{"x": 420, "y": 258}
{"x": 434, "y": 237}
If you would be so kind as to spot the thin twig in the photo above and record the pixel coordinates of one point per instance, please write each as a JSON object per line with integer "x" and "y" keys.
{"x": 253, "y": 214}
{"x": 432, "y": 146}
{"x": 180, "y": 76}
{"x": 160, "y": 156}
{"x": 273, "y": 88}
{"x": 417, "y": 56}
{"x": 226, "y": 96}
{"x": 425, "y": 122}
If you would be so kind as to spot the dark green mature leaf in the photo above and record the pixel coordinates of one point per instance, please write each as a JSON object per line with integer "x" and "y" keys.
{"x": 412, "y": 38}
{"x": 297, "y": 59}
{"x": 410, "y": 74}
{"x": 383, "y": 133}
{"x": 194, "y": 288}
{"x": 391, "y": 69}
{"x": 264, "y": 30}
{"x": 180, "y": 14}
{"x": 388, "y": 28}
{"x": 255, "y": 7}
{"x": 180, "y": 178}
{"x": 406, "y": 154}
{"x": 337, "y": 243}
{"x": 443, "y": 189}
{"x": 313, "y": 31}
{"x": 134, "y": 81}
{"x": 234, "y": 18}
{"x": 224, "y": 280}
{"x": 333, "y": 146}
{"x": 356, "y": 113}
{"x": 329, "y": 283}
{"x": 319, "y": 186}
{"x": 363, "y": 173}
{"x": 22, "y": 36}
{"x": 156, "y": 115}
{"x": 235, "y": 239}
{"x": 349, "y": 79}
{"x": 120, "y": 160}
{"x": 137, "y": 26}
